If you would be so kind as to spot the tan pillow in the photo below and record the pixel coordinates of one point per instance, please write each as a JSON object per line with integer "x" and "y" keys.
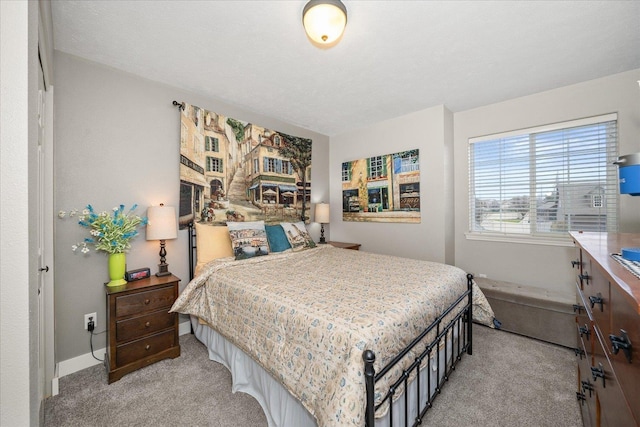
{"x": 212, "y": 242}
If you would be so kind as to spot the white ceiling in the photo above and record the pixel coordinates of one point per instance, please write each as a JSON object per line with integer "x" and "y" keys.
{"x": 396, "y": 57}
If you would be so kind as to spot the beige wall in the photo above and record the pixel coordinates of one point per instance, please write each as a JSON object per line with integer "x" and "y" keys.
{"x": 424, "y": 130}
{"x": 117, "y": 141}
{"x": 536, "y": 265}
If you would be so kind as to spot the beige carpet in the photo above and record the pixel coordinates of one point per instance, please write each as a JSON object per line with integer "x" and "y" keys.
{"x": 508, "y": 381}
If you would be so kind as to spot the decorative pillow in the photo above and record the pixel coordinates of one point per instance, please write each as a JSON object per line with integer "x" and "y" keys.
{"x": 278, "y": 241}
{"x": 298, "y": 236}
{"x": 248, "y": 239}
{"x": 212, "y": 242}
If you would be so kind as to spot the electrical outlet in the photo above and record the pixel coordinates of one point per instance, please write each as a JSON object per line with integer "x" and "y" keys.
{"x": 93, "y": 317}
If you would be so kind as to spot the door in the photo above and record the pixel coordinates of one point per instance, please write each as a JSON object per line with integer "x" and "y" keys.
{"x": 46, "y": 349}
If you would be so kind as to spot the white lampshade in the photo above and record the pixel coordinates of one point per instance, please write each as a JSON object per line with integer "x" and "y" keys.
{"x": 324, "y": 21}
{"x": 162, "y": 223}
{"x": 322, "y": 213}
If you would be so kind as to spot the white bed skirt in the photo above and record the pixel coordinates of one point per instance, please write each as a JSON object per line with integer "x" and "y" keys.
{"x": 280, "y": 407}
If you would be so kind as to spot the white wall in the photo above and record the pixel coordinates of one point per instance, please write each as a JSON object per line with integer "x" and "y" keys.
{"x": 19, "y": 399}
{"x": 427, "y": 131}
{"x": 117, "y": 141}
{"x": 542, "y": 266}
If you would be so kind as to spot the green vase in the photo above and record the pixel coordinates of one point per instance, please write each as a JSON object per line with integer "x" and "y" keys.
{"x": 117, "y": 265}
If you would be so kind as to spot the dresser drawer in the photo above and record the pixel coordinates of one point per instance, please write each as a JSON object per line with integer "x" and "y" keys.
{"x": 624, "y": 318}
{"x": 586, "y": 394}
{"x": 137, "y": 327}
{"x": 144, "y": 347}
{"x": 613, "y": 403}
{"x": 597, "y": 298}
{"x": 140, "y": 302}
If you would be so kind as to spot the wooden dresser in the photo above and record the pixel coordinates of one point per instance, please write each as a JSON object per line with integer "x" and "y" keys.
{"x": 608, "y": 326}
{"x": 140, "y": 329}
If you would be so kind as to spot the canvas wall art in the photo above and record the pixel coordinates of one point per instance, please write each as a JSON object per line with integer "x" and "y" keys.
{"x": 382, "y": 188}
{"x": 232, "y": 170}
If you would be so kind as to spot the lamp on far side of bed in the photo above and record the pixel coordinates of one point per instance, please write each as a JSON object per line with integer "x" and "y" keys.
{"x": 322, "y": 216}
{"x": 162, "y": 226}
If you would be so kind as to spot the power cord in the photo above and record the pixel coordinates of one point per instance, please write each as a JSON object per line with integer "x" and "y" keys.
{"x": 90, "y": 328}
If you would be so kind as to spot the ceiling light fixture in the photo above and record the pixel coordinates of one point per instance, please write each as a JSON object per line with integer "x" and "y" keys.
{"x": 324, "y": 21}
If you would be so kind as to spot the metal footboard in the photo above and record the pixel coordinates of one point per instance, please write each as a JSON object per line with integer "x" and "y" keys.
{"x": 456, "y": 334}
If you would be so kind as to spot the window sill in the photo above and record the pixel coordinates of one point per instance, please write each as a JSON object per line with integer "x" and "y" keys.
{"x": 514, "y": 238}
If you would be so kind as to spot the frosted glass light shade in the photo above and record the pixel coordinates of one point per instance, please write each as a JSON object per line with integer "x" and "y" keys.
{"x": 322, "y": 213}
{"x": 324, "y": 21}
{"x": 162, "y": 223}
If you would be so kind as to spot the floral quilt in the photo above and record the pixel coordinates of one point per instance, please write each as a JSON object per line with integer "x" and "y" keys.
{"x": 307, "y": 317}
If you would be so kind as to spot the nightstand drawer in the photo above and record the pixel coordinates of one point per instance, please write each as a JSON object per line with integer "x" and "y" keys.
{"x": 144, "y": 301}
{"x": 137, "y": 327}
{"x": 144, "y": 347}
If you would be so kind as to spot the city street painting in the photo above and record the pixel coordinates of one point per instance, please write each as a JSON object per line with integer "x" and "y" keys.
{"x": 382, "y": 188}
{"x": 232, "y": 170}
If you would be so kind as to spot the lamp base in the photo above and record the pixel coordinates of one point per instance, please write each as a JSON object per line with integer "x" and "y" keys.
{"x": 163, "y": 270}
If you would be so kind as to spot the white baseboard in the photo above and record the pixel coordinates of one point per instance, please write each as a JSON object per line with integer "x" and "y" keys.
{"x": 184, "y": 328}
{"x": 79, "y": 363}
{"x": 86, "y": 360}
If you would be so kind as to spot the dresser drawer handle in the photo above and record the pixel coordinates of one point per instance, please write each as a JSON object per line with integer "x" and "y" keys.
{"x": 597, "y": 300}
{"x": 581, "y": 398}
{"x": 598, "y": 373}
{"x": 621, "y": 342}
{"x": 578, "y": 308}
{"x": 586, "y": 385}
{"x": 147, "y": 347}
{"x": 147, "y": 301}
{"x": 579, "y": 352}
{"x": 584, "y": 277}
{"x": 146, "y": 325}
{"x": 575, "y": 263}
{"x": 584, "y": 331}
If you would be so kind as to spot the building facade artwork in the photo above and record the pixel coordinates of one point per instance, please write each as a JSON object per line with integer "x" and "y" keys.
{"x": 236, "y": 171}
{"x": 382, "y": 188}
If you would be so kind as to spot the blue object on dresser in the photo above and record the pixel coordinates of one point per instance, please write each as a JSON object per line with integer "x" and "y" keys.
{"x": 631, "y": 254}
{"x": 629, "y": 174}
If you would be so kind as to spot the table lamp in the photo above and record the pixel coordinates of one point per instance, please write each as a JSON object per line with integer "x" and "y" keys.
{"x": 322, "y": 216}
{"x": 162, "y": 226}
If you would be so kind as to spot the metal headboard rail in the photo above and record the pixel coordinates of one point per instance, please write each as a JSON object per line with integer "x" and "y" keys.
{"x": 192, "y": 250}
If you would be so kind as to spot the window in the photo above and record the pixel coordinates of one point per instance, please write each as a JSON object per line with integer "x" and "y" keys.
{"x": 346, "y": 171}
{"x": 211, "y": 144}
{"x": 544, "y": 182}
{"x": 377, "y": 167}
{"x": 214, "y": 164}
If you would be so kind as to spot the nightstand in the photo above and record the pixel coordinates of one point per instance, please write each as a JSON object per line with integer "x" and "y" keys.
{"x": 343, "y": 245}
{"x": 140, "y": 329}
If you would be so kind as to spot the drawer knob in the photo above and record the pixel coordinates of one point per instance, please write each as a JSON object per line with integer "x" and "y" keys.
{"x": 147, "y": 301}
{"x": 598, "y": 373}
{"x": 584, "y": 330}
{"x": 146, "y": 325}
{"x": 584, "y": 277}
{"x": 147, "y": 347}
{"x": 621, "y": 342}
{"x": 597, "y": 300}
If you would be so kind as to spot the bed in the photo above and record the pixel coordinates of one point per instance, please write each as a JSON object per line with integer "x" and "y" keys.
{"x": 334, "y": 337}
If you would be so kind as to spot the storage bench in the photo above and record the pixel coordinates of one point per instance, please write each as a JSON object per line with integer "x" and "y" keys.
{"x": 534, "y": 312}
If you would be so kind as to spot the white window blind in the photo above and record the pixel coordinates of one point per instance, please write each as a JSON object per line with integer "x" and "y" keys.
{"x": 545, "y": 181}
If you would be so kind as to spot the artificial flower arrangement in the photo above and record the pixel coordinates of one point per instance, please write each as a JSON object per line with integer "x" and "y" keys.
{"x": 111, "y": 233}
